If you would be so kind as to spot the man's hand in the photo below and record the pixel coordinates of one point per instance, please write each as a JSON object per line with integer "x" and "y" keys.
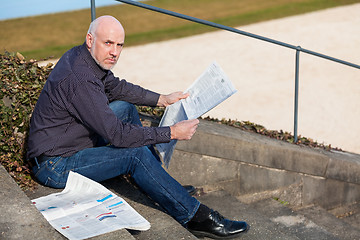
{"x": 184, "y": 130}
{"x": 166, "y": 100}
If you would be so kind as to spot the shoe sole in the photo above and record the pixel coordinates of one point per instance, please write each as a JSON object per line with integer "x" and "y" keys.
{"x": 200, "y": 234}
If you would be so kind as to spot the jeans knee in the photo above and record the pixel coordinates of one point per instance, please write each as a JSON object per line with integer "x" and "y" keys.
{"x": 121, "y": 106}
{"x": 125, "y": 111}
{"x": 146, "y": 157}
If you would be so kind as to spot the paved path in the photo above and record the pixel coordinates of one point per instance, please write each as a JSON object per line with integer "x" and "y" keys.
{"x": 263, "y": 73}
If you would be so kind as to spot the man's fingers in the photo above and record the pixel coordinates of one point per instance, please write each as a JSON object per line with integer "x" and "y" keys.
{"x": 185, "y": 95}
{"x": 184, "y": 130}
{"x": 176, "y": 96}
{"x": 194, "y": 122}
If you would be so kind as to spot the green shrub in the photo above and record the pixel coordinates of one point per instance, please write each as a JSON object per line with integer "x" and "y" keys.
{"x": 21, "y": 84}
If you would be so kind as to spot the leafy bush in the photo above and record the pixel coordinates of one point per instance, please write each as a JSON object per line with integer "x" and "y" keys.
{"x": 21, "y": 84}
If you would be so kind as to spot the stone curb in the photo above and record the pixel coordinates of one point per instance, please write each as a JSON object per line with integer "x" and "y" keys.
{"x": 19, "y": 218}
{"x": 241, "y": 162}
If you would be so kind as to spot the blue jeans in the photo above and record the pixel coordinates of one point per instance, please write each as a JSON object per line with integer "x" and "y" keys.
{"x": 105, "y": 162}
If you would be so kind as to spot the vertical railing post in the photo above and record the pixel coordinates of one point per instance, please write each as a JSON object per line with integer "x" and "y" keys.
{"x": 93, "y": 14}
{"x": 296, "y": 101}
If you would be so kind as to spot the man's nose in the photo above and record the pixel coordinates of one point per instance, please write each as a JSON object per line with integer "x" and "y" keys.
{"x": 114, "y": 51}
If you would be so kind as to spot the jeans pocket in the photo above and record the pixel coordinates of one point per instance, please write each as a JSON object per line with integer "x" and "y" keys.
{"x": 52, "y": 173}
{"x": 57, "y": 165}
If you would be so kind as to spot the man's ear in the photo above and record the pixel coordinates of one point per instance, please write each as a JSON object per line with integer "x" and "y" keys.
{"x": 89, "y": 40}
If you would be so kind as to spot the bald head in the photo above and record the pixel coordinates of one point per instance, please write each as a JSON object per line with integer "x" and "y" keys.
{"x": 104, "y": 40}
{"x": 104, "y": 21}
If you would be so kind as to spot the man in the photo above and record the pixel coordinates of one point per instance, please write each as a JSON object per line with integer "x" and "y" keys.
{"x": 85, "y": 121}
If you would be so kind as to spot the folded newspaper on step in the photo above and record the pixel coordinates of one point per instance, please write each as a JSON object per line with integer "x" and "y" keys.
{"x": 86, "y": 209}
{"x": 209, "y": 90}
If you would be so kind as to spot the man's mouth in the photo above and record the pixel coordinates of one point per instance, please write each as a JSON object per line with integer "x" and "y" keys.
{"x": 111, "y": 60}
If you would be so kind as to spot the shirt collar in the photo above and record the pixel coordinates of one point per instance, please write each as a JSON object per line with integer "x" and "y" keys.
{"x": 98, "y": 71}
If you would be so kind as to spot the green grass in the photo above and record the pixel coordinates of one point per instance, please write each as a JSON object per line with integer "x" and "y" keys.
{"x": 51, "y": 35}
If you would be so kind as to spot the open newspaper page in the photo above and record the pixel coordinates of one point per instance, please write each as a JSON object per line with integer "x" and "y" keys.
{"x": 209, "y": 90}
{"x": 86, "y": 209}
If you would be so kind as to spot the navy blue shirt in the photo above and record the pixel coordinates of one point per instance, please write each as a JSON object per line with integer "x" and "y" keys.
{"x": 73, "y": 109}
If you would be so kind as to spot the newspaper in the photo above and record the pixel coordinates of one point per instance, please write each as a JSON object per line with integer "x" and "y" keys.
{"x": 209, "y": 90}
{"x": 86, "y": 209}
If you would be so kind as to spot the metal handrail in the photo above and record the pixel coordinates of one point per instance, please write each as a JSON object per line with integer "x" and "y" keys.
{"x": 297, "y": 48}
{"x": 93, "y": 12}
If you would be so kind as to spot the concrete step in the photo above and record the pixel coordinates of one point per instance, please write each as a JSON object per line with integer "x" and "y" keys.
{"x": 349, "y": 213}
{"x": 342, "y": 228}
{"x": 19, "y": 217}
{"x": 312, "y": 222}
{"x": 342, "y": 222}
{"x": 272, "y": 219}
{"x": 261, "y": 227}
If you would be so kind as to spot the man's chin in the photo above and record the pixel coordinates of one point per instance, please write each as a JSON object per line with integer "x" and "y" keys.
{"x": 107, "y": 66}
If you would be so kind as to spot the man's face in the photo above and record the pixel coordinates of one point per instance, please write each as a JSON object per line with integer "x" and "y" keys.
{"x": 106, "y": 44}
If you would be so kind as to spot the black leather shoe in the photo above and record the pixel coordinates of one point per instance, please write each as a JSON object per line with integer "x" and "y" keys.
{"x": 217, "y": 227}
